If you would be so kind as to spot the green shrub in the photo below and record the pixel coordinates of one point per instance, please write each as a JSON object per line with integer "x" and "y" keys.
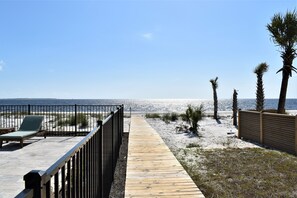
{"x": 174, "y": 117}
{"x": 81, "y": 119}
{"x": 62, "y": 122}
{"x": 192, "y": 116}
{"x": 193, "y": 145}
{"x": 152, "y": 115}
{"x": 57, "y": 116}
{"x": 97, "y": 116}
{"x": 71, "y": 120}
{"x": 167, "y": 117}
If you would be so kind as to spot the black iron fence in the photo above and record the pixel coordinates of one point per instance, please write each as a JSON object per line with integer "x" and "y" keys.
{"x": 86, "y": 170}
{"x": 60, "y": 120}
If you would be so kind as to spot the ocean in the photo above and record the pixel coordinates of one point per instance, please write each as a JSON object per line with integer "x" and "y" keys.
{"x": 154, "y": 105}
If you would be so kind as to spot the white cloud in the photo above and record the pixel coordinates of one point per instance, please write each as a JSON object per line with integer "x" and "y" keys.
{"x": 2, "y": 64}
{"x": 147, "y": 36}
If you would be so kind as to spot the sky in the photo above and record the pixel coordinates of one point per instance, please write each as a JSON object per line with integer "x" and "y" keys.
{"x": 145, "y": 49}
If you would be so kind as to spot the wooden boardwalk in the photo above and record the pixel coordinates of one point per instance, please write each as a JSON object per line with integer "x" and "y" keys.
{"x": 152, "y": 170}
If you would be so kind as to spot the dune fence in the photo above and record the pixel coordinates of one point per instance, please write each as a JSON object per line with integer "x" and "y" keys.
{"x": 277, "y": 131}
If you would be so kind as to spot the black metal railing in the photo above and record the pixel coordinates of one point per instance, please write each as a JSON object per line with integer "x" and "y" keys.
{"x": 86, "y": 170}
{"x": 60, "y": 120}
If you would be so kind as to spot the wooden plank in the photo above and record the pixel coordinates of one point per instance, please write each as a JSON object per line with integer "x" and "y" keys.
{"x": 295, "y": 135}
{"x": 152, "y": 170}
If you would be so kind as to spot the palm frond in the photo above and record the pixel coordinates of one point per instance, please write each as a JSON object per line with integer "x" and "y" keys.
{"x": 214, "y": 82}
{"x": 283, "y": 29}
{"x": 261, "y": 68}
{"x": 294, "y": 69}
{"x": 279, "y": 70}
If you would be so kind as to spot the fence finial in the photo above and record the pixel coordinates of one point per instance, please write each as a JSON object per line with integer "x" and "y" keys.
{"x": 99, "y": 123}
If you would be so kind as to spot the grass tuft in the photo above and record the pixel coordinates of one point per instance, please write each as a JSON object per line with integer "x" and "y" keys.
{"x": 170, "y": 117}
{"x": 152, "y": 115}
{"x": 80, "y": 119}
{"x": 193, "y": 145}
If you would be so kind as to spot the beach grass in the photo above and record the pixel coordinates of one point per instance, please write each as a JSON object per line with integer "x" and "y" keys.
{"x": 170, "y": 117}
{"x": 166, "y": 117}
{"x": 152, "y": 115}
{"x": 247, "y": 172}
{"x": 72, "y": 120}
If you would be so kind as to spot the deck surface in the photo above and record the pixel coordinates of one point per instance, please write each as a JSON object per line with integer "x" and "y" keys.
{"x": 37, "y": 154}
{"x": 152, "y": 170}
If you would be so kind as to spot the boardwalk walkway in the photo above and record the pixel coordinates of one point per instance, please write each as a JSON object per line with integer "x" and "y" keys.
{"x": 152, "y": 170}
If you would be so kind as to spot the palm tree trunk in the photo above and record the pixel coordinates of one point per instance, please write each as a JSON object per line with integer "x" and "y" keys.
{"x": 215, "y": 104}
{"x": 283, "y": 93}
{"x": 235, "y": 108}
{"x": 260, "y": 93}
{"x": 287, "y": 71}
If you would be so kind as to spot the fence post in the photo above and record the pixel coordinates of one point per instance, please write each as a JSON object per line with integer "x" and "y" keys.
{"x": 112, "y": 142}
{"x": 75, "y": 119}
{"x": 122, "y": 122}
{"x": 29, "y": 109}
{"x": 261, "y": 128}
{"x": 100, "y": 124}
{"x": 119, "y": 112}
{"x": 130, "y": 112}
{"x": 296, "y": 134}
{"x": 239, "y": 121}
{"x": 121, "y": 119}
{"x": 33, "y": 180}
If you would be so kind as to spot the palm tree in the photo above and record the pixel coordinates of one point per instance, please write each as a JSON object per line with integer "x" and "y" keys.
{"x": 259, "y": 71}
{"x": 214, "y": 83}
{"x": 283, "y": 31}
{"x": 235, "y": 107}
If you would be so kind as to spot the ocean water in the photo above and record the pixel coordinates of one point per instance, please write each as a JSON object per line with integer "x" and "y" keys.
{"x": 154, "y": 105}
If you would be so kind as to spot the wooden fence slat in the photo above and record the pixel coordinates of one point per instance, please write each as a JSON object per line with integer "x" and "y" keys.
{"x": 274, "y": 130}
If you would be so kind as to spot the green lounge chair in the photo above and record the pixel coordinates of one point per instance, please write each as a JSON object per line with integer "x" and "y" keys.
{"x": 29, "y": 128}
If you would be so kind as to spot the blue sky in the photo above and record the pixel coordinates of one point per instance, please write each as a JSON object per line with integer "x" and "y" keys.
{"x": 138, "y": 49}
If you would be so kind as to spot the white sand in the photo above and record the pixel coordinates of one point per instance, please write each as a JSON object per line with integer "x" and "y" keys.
{"x": 212, "y": 134}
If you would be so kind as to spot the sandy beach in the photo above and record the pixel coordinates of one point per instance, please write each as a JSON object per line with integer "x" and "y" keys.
{"x": 211, "y": 134}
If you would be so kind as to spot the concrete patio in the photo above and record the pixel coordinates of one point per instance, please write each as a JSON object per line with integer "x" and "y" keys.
{"x": 37, "y": 154}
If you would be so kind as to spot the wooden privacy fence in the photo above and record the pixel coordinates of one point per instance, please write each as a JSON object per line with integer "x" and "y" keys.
{"x": 278, "y": 131}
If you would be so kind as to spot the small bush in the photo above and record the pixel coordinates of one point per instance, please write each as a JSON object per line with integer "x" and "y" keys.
{"x": 97, "y": 116}
{"x": 174, "y": 117}
{"x": 193, "y": 145}
{"x": 81, "y": 119}
{"x": 71, "y": 120}
{"x": 170, "y": 117}
{"x": 62, "y": 122}
{"x": 192, "y": 116}
{"x": 166, "y": 118}
{"x": 152, "y": 115}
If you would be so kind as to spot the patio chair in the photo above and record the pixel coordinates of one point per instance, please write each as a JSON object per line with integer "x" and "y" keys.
{"x": 29, "y": 128}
